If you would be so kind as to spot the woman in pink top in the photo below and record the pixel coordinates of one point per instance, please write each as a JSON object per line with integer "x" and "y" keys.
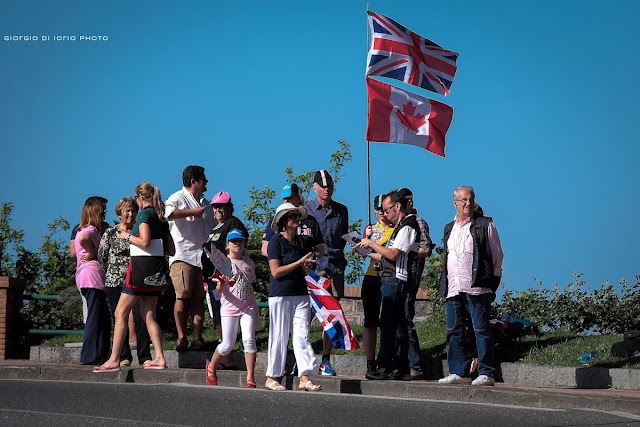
{"x": 237, "y": 307}
{"x": 90, "y": 283}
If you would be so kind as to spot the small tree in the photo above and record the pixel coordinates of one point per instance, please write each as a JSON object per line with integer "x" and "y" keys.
{"x": 259, "y": 210}
{"x": 9, "y": 239}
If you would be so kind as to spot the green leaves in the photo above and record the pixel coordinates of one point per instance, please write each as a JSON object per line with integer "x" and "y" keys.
{"x": 580, "y": 307}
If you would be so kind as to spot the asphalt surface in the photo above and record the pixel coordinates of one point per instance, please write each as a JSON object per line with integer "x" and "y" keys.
{"x": 69, "y": 404}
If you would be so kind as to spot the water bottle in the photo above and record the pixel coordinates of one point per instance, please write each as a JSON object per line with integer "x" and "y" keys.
{"x": 586, "y": 358}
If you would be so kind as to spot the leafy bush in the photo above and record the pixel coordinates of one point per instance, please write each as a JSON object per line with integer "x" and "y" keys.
{"x": 606, "y": 309}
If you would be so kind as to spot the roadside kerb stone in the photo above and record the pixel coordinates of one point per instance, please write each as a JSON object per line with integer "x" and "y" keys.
{"x": 609, "y": 403}
{"x": 526, "y": 374}
{"x": 20, "y": 373}
{"x": 80, "y": 373}
{"x": 500, "y": 394}
{"x": 625, "y": 379}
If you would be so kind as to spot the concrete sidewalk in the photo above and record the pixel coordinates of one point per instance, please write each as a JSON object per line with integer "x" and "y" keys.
{"x": 508, "y": 393}
{"x": 356, "y": 366}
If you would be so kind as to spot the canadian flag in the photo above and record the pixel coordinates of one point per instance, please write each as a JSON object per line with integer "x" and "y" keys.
{"x": 401, "y": 117}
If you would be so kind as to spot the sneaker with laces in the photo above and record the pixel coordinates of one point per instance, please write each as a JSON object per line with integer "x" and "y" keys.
{"x": 483, "y": 380}
{"x": 454, "y": 379}
{"x": 400, "y": 376}
{"x": 327, "y": 369}
{"x": 381, "y": 374}
{"x": 416, "y": 373}
{"x": 371, "y": 366}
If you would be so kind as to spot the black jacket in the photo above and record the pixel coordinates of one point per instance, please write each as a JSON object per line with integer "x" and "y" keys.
{"x": 482, "y": 273}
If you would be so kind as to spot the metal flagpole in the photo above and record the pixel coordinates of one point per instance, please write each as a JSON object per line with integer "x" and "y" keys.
{"x": 368, "y": 143}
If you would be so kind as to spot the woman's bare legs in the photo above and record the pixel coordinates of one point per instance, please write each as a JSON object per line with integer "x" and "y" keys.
{"x": 132, "y": 329}
{"x": 124, "y": 307}
{"x": 148, "y": 312}
{"x": 250, "y": 360}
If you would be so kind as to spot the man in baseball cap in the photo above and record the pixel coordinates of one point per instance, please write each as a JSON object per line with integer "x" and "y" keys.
{"x": 426, "y": 246}
{"x": 308, "y": 226}
{"x": 333, "y": 218}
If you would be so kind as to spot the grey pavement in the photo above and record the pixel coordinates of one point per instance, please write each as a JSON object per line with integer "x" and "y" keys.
{"x": 70, "y": 404}
{"x": 513, "y": 393}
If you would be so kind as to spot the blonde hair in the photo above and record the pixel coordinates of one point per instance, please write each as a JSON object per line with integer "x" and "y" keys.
{"x": 126, "y": 203}
{"x": 151, "y": 193}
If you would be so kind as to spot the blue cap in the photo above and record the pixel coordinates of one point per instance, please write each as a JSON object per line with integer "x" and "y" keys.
{"x": 235, "y": 234}
{"x": 289, "y": 189}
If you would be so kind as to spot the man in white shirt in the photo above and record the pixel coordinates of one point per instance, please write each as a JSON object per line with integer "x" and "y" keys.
{"x": 471, "y": 273}
{"x": 399, "y": 258}
{"x": 190, "y": 219}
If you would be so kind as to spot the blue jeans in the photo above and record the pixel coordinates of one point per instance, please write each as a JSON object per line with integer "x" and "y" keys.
{"x": 410, "y": 312}
{"x": 478, "y": 308}
{"x": 393, "y": 326}
{"x": 97, "y": 330}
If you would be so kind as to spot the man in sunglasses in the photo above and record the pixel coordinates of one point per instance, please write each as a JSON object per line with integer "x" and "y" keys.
{"x": 190, "y": 218}
{"x": 399, "y": 258}
{"x": 471, "y": 273}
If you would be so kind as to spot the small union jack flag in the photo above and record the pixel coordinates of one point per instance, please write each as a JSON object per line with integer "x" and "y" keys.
{"x": 329, "y": 313}
{"x": 401, "y": 54}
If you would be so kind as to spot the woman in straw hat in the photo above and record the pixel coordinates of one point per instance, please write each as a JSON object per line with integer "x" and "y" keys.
{"x": 291, "y": 258}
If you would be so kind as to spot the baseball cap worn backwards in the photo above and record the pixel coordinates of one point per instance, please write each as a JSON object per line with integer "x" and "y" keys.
{"x": 289, "y": 189}
{"x": 322, "y": 178}
{"x": 406, "y": 193}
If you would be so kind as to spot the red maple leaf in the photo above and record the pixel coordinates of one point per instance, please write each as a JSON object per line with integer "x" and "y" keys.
{"x": 409, "y": 118}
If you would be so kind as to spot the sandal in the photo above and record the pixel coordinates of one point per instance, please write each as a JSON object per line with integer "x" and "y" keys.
{"x": 101, "y": 369}
{"x": 212, "y": 379}
{"x": 154, "y": 365}
{"x": 250, "y": 384}
{"x": 309, "y": 386}
{"x": 273, "y": 385}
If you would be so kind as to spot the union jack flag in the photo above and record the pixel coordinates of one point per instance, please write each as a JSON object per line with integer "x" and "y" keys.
{"x": 401, "y": 54}
{"x": 329, "y": 313}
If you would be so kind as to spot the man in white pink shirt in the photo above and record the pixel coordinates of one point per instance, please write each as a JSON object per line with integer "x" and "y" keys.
{"x": 471, "y": 273}
{"x": 190, "y": 219}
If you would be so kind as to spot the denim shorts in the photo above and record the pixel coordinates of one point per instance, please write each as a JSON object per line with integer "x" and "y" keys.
{"x": 127, "y": 290}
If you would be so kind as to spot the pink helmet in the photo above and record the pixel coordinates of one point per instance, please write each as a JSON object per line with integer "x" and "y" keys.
{"x": 221, "y": 197}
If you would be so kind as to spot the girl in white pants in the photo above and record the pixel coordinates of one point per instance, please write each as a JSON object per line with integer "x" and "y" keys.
{"x": 237, "y": 307}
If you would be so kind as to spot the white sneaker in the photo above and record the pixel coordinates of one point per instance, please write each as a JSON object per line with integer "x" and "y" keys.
{"x": 483, "y": 380}
{"x": 454, "y": 379}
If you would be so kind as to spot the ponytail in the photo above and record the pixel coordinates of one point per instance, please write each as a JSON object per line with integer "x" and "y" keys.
{"x": 151, "y": 193}
{"x": 158, "y": 204}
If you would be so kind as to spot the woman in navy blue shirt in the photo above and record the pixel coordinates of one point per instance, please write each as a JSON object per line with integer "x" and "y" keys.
{"x": 291, "y": 258}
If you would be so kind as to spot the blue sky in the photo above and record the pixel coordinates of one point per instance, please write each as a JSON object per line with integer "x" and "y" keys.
{"x": 545, "y": 104}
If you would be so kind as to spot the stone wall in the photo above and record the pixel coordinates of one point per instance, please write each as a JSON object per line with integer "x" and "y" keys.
{"x": 11, "y": 291}
{"x": 352, "y": 305}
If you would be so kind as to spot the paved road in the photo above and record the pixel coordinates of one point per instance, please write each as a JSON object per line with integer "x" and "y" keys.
{"x": 69, "y": 404}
